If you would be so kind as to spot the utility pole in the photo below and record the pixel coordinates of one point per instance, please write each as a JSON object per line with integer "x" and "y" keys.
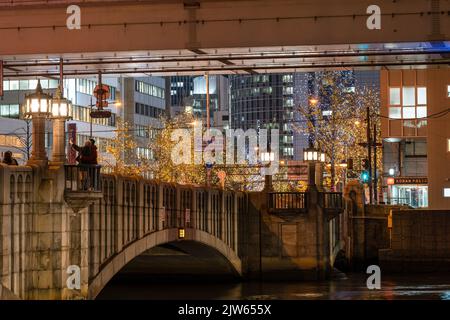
{"x": 369, "y": 155}
{"x": 375, "y": 182}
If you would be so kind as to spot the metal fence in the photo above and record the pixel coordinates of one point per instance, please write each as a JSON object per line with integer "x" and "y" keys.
{"x": 288, "y": 201}
{"x": 82, "y": 178}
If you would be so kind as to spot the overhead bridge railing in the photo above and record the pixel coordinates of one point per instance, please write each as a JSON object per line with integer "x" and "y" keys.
{"x": 288, "y": 202}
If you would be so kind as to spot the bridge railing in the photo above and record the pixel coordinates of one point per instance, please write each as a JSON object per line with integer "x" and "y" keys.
{"x": 132, "y": 208}
{"x": 82, "y": 177}
{"x": 288, "y": 201}
{"x": 332, "y": 200}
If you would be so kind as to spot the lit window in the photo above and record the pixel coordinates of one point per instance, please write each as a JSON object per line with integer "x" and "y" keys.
{"x": 409, "y": 97}
{"x": 421, "y": 112}
{"x": 394, "y": 96}
{"x": 14, "y": 85}
{"x": 395, "y": 113}
{"x": 448, "y": 145}
{"x": 409, "y": 112}
{"x": 448, "y": 91}
{"x": 421, "y": 95}
{"x": 447, "y": 192}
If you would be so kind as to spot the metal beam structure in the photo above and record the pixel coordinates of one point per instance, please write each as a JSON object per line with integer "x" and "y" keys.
{"x": 152, "y": 37}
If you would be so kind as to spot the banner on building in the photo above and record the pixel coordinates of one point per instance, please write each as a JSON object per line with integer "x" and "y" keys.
{"x": 72, "y": 135}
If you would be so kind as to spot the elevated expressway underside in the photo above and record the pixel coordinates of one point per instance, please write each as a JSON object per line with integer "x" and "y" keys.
{"x": 176, "y": 37}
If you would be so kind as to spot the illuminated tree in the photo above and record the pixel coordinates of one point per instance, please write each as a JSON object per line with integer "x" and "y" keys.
{"x": 335, "y": 121}
{"x": 122, "y": 149}
{"x": 163, "y": 166}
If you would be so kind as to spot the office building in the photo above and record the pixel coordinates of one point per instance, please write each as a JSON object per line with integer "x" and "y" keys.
{"x": 416, "y": 137}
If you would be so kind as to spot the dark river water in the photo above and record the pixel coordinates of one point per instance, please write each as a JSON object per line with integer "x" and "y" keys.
{"x": 346, "y": 287}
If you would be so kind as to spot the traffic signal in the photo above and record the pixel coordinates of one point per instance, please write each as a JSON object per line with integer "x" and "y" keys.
{"x": 365, "y": 176}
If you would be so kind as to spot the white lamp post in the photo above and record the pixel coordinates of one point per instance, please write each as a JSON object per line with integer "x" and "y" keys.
{"x": 61, "y": 111}
{"x": 38, "y": 108}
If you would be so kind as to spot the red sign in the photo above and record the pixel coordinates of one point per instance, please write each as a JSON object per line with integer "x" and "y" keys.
{"x": 1, "y": 78}
{"x": 71, "y": 153}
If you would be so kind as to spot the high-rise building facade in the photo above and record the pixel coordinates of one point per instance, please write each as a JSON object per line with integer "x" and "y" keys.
{"x": 188, "y": 93}
{"x": 272, "y": 101}
{"x": 264, "y": 102}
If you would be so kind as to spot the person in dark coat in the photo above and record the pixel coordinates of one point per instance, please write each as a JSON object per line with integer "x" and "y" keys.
{"x": 87, "y": 157}
{"x": 85, "y": 153}
{"x": 9, "y": 160}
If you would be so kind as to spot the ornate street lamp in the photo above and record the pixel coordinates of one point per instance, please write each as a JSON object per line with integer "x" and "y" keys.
{"x": 312, "y": 156}
{"x": 267, "y": 156}
{"x": 61, "y": 111}
{"x": 38, "y": 108}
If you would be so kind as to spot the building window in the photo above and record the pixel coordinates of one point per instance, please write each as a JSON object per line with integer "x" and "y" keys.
{"x": 9, "y": 111}
{"x": 409, "y": 103}
{"x": 448, "y": 91}
{"x": 81, "y": 113}
{"x": 148, "y": 111}
{"x": 10, "y": 141}
{"x": 149, "y": 89}
{"x": 415, "y": 148}
{"x": 288, "y": 90}
{"x": 448, "y": 145}
{"x": 394, "y": 96}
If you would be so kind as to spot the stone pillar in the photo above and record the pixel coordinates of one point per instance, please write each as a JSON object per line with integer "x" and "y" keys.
{"x": 268, "y": 187}
{"x": 59, "y": 141}
{"x": 38, "y": 154}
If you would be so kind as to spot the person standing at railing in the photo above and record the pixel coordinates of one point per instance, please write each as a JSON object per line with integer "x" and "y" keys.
{"x": 9, "y": 160}
{"x": 87, "y": 157}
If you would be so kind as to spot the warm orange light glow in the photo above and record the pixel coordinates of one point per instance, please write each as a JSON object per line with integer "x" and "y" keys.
{"x": 357, "y": 122}
{"x": 181, "y": 233}
{"x": 313, "y": 101}
{"x": 390, "y": 181}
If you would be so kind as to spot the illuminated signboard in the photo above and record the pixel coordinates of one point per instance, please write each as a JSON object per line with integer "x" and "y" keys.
{"x": 411, "y": 180}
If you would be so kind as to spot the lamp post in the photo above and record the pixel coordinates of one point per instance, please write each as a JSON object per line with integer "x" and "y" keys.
{"x": 61, "y": 110}
{"x": 312, "y": 156}
{"x": 267, "y": 157}
{"x": 37, "y": 108}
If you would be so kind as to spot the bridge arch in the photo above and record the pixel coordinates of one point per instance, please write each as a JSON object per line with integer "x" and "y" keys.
{"x": 136, "y": 248}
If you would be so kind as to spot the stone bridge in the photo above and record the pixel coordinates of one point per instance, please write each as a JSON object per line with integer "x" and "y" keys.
{"x": 48, "y": 222}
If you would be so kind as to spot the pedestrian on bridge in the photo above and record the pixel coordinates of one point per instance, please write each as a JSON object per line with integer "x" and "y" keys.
{"x": 9, "y": 160}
